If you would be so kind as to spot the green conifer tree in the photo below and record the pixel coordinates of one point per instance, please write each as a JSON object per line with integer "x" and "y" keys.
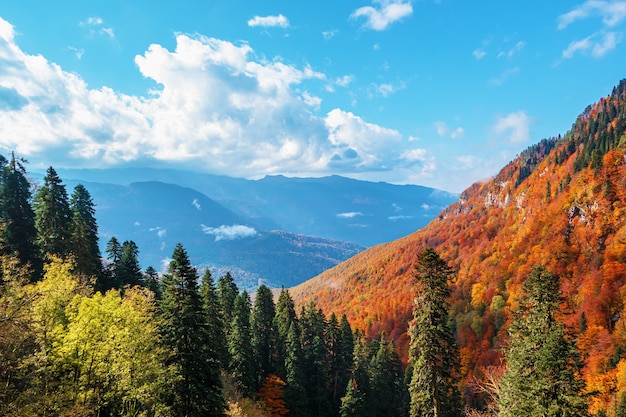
{"x": 542, "y": 377}
{"x": 356, "y": 402}
{"x": 84, "y": 234}
{"x": 295, "y": 393}
{"x": 197, "y": 392}
{"x": 128, "y": 271}
{"x": 18, "y": 233}
{"x": 263, "y": 332}
{"x": 283, "y": 320}
{"x": 53, "y": 217}
{"x": 433, "y": 351}
{"x": 242, "y": 365}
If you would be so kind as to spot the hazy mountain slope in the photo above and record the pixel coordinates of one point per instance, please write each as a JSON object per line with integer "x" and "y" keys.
{"x": 157, "y": 216}
{"x": 561, "y": 203}
{"x": 333, "y": 207}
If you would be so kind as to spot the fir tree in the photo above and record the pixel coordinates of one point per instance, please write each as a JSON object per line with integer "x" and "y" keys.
{"x": 84, "y": 234}
{"x": 263, "y": 332}
{"x": 128, "y": 271}
{"x": 211, "y": 306}
{"x": 356, "y": 402}
{"x": 109, "y": 275}
{"x": 185, "y": 332}
{"x": 151, "y": 281}
{"x": 241, "y": 366}
{"x": 19, "y": 234}
{"x": 433, "y": 351}
{"x": 340, "y": 349}
{"x": 226, "y": 291}
{"x": 285, "y": 317}
{"x": 295, "y": 393}
{"x": 315, "y": 360}
{"x": 53, "y": 216}
{"x": 542, "y": 376}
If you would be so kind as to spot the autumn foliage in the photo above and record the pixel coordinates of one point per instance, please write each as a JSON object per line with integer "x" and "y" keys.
{"x": 560, "y": 204}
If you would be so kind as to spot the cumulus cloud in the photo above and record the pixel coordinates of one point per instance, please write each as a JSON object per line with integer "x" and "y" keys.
{"x": 269, "y": 21}
{"x": 611, "y": 12}
{"x": 236, "y": 231}
{"x": 515, "y": 125}
{"x": 349, "y": 215}
{"x": 383, "y": 14}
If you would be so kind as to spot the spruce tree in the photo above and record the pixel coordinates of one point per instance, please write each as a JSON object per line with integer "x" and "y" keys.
{"x": 185, "y": 331}
{"x": 433, "y": 351}
{"x": 211, "y": 306}
{"x": 386, "y": 380}
{"x": 151, "y": 281}
{"x": 19, "y": 234}
{"x": 84, "y": 234}
{"x": 128, "y": 271}
{"x": 53, "y": 216}
{"x": 263, "y": 332}
{"x": 295, "y": 393}
{"x": 315, "y": 360}
{"x": 242, "y": 365}
{"x": 109, "y": 273}
{"x": 356, "y": 402}
{"x": 542, "y": 376}
{"x": 285, "y": 317}
{"x": 226, "y": 291}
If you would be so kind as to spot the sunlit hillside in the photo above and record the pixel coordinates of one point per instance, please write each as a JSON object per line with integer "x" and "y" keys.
{"x": 562, "y": 204}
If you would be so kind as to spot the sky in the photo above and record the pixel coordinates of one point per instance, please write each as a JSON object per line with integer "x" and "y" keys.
{"x": 440, "y": 93}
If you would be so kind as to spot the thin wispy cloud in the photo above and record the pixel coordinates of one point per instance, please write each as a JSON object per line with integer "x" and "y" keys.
{"x": 383, "y": 13}
{"x": 602, "y": 41}
{"x": 329, "y": 34}
{"x": 479, "y": 54}
{"x": 443, "y": 130}
{"x": 611, "y": 12}
{"x": 512, "y": 51}
{"x": 596, "y": 45}
{"x": 269, "y": 21}
{"x": 96, "y": 26}
{"x": 349, "y": 215}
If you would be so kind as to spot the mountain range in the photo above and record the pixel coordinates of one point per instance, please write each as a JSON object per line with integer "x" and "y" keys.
{"x": 560, "y": 204}
{"x": 275, "y": 230}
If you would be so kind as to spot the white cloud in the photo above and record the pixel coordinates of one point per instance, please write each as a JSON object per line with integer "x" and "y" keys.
{"x": 215, "y": 106}
{"x": 443, "y": 130}
{"x": 596, "y": 45}
{"x": 611, "y": 12}
{"x": 387, "y": 12}
{"x": 269, "y": 21}
{"x": 161, "y": 232}
{"x": 396, "y": 218}
{"x": 358, "y": 143}
{"x": 479, "y": 54}
{"x": 344, "y": 81}
{"x": 421, "y": 158}
{"x": 513, "y": 51}
{"x": 329, "y": 34}
{"x": 92, "y": 21}
{"x": 349, "y": 215}
{"x": 196, "y": 204}
{"x": 516, "y": 125}
{"x": 505, "y": 75}
{"x": 236, "y": 231}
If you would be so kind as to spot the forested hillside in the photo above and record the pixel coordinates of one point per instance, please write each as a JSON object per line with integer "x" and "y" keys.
{"x": 561, "y": 205}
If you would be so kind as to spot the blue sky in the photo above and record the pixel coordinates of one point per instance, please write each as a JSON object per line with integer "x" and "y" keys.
{"x": 437, "y": 93}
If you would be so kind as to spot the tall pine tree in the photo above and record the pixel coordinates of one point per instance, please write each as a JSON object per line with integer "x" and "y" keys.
{"x": 53, "y": 216}
{"x": 542, "y": 377}
{"x": 242, "y": 365}
{"x": 263, "y": 332}
{"x": 84, "y": 234}
{"x": 433, "y": 351}
{"x": 185, "y": 332}
{"x": 19, "y": 234}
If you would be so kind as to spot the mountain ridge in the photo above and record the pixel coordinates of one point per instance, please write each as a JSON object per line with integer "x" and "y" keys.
{"x": 561, "y": 203}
